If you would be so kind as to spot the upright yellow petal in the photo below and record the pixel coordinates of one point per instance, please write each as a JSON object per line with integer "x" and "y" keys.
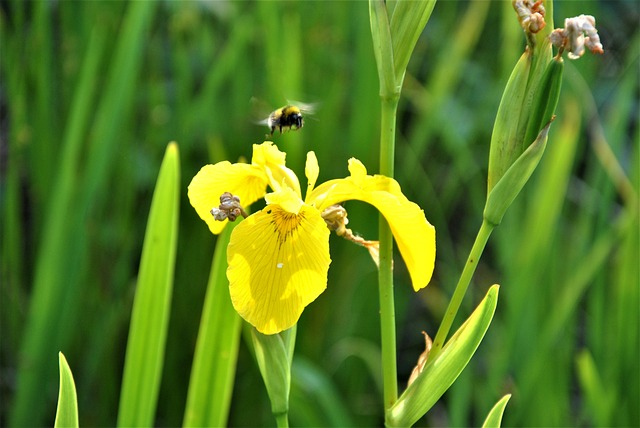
{"x": 311, "y": 170}
{"x": 286, "y": 198}
{"x": 278, "y": 263}
{"x": 272, "y": 161}
{"x": 247, "y": 182}
{"x": 414, "y": 235}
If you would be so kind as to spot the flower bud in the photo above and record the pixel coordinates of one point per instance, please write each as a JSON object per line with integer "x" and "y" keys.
{"x": 506, "y": 145}
{"x": 546, "y": 99}
{"x": 505, "y": 191}
{"x": 526, "y": 111}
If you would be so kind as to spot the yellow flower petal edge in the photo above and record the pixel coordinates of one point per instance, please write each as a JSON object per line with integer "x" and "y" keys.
{"x": 248, "y": 182}
{"x": 414, "y": 235}
{"x": 278, "y": 263}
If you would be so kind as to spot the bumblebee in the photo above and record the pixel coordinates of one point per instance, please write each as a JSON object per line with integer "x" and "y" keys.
{"x": 287, "y": 117}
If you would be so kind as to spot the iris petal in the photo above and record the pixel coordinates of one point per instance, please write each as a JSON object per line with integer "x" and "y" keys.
{"x": 248, "y": 182}
{"x": 311, "y": 170}
{"x": 268, "y": 157}
{"x": 278, "y": 263}
{"x": 286, "y": 198}
{"x": 413, "y": 233}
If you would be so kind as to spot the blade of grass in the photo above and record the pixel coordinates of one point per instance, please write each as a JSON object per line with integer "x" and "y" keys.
{"x": 50, "y": 282}
{"x": 599, "y": 400}
{"x": 152, "y": 303}
{"x": 67, "y": 412}
{"x": 408, "y": 19}
{"x": 447, "y": 73}
{"x": 574, "y": 288}
{"x": 214, "y": 362}
{"x": 62, "y": 258}
{"x": 45, "y": 122}
{"x": 623, "y": 331}
{"x": 118, "y": 96}
{"x": 12, "y": 266}
{"x": 494, "y": 418}
{"x": 315, "y": 401}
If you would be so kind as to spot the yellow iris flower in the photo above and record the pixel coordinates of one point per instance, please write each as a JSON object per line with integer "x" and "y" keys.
{"x": 279, "y": 257}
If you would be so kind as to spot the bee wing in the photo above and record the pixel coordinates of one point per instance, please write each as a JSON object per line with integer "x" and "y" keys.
{"x": 260, "y": 111}
{"x": 309, "y": 108}
{"x": 264, "y": 121}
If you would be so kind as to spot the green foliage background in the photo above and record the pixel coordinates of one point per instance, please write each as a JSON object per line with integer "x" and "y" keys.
{"x": 91, "y": 93}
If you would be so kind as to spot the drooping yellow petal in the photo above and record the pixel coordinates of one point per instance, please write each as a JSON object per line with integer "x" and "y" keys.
{"x": 413, "y": 233}
{"x": 247, "y": 182}
{"x": 272, "y": 161}
{"x": 278, "y": 263}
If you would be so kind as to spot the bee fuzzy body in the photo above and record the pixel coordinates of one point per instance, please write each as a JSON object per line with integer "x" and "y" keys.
{"x": 285, "y": 118}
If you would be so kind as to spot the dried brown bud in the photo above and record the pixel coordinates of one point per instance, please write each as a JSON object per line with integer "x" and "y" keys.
{"x": 229, "y": 208}
{"x": 336, "y": 218}
{"x": 530, "y": 15}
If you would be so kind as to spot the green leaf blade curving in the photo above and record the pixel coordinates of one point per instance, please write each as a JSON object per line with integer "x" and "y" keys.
{"x": 440, "y": 373}
{"x": 67, "y": 411}
{"x": 152, "y": 303}
{"x": 494, "y": 418}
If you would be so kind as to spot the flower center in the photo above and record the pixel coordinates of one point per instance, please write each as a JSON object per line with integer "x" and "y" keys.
{"x": 285, "y": 224}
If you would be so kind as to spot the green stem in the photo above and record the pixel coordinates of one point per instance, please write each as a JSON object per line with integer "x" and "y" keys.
{"x": 461, "y": 288}
{"x": 385, "y": 273}
{"x": 282, "y": 420}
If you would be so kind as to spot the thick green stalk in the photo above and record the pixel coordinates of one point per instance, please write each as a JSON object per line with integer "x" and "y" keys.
{"x": 282, "y": 420}
{"x": 461, "y": 287}
{"x": 385, "y": 273}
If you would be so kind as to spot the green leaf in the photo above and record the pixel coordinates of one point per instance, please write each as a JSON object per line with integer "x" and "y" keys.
{"x": 440, "y": 373}
{"x": 494, "y": 418}
{"x": 315, "y": 399}
{"x": 152, "y": 302}
{"x": 599, "y": 400}
{"x": 407, "y": 22}
{"x": 214, "y": 363}
{"x": 59, "y": 241}
{"x": 383, "y": 47}
{"x": 67, "y": 412}
{"x": 80, "y": 184}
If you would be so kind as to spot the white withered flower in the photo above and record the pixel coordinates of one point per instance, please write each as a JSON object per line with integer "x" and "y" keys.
{"x": 578, "y": 32}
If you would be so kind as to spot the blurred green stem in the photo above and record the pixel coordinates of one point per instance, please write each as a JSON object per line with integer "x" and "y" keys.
{"x": 385, "y": 273}
{"x": 282, "y": 420}
{"x": 461, "y": 288}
